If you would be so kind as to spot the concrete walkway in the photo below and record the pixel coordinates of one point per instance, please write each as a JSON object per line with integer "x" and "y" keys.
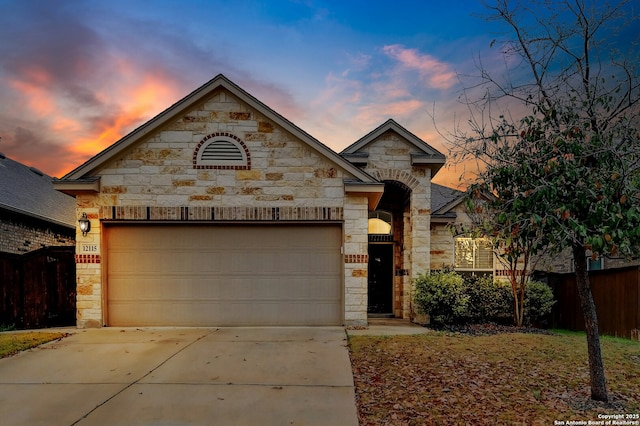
{"x": 221, "y": 376}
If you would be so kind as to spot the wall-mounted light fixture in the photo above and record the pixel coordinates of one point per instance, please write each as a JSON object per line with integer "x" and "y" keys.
{"x": 85, "y": 224}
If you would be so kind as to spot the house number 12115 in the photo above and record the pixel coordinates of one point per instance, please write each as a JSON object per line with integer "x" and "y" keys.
{"x": 89, "y": 248}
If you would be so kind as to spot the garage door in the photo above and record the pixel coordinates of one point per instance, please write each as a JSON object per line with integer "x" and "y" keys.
{"x": 167, "y": 275}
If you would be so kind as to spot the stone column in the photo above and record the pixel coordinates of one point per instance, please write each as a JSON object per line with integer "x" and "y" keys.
{"x": 420, "y": 261}
{"x": 89, "y": 291}
{"x": 356, "y": 260}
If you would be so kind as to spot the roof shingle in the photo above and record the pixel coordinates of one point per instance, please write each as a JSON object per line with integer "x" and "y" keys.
{"x": 28, "y": 191}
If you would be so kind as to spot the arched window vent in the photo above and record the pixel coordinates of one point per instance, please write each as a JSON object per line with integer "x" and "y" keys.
{"x": 223, "y": 151}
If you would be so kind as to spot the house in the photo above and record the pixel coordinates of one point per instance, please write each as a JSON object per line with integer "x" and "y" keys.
{"x": 33, "y": 214}
{"x": 220, "y": 211}
{"x": 37, "y": 239}
{"x": 452, "y": 247}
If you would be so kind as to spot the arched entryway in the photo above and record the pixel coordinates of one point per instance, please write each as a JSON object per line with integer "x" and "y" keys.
{"x": 386, "y": 251}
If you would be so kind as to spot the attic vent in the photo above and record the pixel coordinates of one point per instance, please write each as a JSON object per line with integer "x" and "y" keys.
{"x": 222, "y": 151}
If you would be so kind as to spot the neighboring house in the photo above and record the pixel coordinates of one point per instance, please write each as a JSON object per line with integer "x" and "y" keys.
{"x": 33, "y": 214}
{"x": 563, "y": 263}
{"x": 219, "y": 211}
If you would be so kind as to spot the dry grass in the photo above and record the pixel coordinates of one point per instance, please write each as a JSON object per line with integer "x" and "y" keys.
{"x": 509, "y": 378}
{"x": 12, "y": 343}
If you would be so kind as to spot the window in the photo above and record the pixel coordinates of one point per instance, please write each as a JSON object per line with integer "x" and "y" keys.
{"x": 380, "y": 223}
{"x": 595, "y": 265}
{"x": 222, "y": 151}
{"x": 473, "y": 255}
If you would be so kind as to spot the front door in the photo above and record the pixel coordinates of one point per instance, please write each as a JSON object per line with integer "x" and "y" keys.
{"x": 380, "y": 279}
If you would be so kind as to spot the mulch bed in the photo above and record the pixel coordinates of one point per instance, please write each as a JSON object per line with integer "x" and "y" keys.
{"x": 489, "y": 329}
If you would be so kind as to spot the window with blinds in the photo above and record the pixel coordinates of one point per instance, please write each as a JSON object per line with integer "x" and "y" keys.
{"x": 473, "y": 254}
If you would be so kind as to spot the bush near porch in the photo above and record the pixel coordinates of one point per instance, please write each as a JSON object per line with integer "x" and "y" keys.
{"x": 449, "y": 298}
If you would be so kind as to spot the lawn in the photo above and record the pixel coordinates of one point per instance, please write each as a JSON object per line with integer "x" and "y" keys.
{"x": 507, "y": 378}
{"x": 12, "y": 343}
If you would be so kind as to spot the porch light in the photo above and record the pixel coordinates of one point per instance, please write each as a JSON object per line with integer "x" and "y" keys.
{"x": 85, "y": 224}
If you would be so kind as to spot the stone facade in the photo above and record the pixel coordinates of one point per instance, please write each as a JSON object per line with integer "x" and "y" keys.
{"x": 157, "y": 180}
{"x": 389, "y": 158}
{"x": 442, "y": 250}
{"x": 356, "y": 260}
{"x": 283, "y": 175}
{"x": 443, "y": 241}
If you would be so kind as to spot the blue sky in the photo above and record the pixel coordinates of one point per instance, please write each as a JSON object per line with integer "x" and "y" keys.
{"x": 77, "y": 75}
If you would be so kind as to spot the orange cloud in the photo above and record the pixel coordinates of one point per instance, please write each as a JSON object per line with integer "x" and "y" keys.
{"x": 142, "y": 100}
{"x": 38, "y": 99}
{"x": 437, "y": 74}
{"x": 77, "y": 130}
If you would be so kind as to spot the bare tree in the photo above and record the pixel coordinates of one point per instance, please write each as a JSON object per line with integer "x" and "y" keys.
{"x": 557, "y": 135}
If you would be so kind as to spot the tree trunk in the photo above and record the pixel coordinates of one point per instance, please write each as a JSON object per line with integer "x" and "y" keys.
{"x": 514, "y": 291}
{"x": 596, "y": 366}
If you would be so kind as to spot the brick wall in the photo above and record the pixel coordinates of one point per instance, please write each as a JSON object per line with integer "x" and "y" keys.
{"x": 23, "y": 235}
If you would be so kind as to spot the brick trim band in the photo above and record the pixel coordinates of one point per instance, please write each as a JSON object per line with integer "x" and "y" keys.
{"x": 356, "y": 258}
{"x": 87, "y": 258}
{"x": 505, "y": 272}
{"x": 213, "y": 214}
{"x": 397, "y": 175}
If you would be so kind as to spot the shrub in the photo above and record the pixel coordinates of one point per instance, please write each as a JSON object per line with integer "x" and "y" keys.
{"x": 450, "y": 299}
{"x": 538, "y": 301}
{"x": 441, "y": 295}
{"x": 489, "y": 300}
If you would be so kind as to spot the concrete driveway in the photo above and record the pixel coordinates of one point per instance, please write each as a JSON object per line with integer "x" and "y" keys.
{"x": 217, "y": 376}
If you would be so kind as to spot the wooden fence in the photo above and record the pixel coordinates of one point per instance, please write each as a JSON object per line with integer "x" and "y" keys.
{"x": 38, "y": 289}
{"x": 616, "y": 293}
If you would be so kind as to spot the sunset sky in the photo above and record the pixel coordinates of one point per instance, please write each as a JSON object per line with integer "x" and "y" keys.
{"x": 77, "y": 75}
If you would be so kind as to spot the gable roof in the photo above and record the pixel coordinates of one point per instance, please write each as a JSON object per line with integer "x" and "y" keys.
{"x": 424, "y": 153}
{"x": 443, "y": 201}
{"x": 83, "y": 172}
{"x": 27, "y": 191}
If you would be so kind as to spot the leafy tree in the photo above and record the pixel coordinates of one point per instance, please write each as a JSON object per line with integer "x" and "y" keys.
{"x": 515, "y": 239}
{"x": 558, "y": 135}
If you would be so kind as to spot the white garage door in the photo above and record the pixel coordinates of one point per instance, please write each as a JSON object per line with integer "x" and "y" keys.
{"x": 190, "y": 275}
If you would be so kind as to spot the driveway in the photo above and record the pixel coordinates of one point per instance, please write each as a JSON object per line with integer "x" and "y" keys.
{"x": 177, "y": 376}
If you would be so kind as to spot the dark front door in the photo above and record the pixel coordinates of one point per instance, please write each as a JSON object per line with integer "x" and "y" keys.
{"x": 380, "y": 279}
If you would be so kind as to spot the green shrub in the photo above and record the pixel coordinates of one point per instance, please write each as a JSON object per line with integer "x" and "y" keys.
{"x": 5, "y": 327}
{"x": 538, "y": 301}
{"x": 450, "y": 299}
{"x": 489, "y": 300}
{"x": 441, "y": 295}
